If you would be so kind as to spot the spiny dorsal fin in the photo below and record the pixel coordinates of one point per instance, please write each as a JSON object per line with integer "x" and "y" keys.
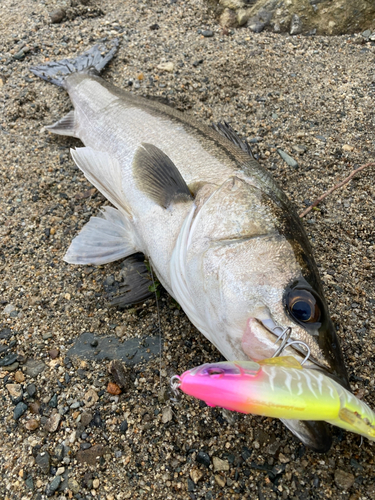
{"x": 157, "y": 176}
{"x": 65, "y": 126}
{"x": 226, "y": 130}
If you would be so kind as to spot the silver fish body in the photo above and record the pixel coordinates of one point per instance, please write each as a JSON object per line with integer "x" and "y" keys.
{"x": 229, "y": 248}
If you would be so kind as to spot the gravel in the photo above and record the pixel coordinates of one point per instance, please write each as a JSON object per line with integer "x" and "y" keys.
{"x": 279, "y": 92}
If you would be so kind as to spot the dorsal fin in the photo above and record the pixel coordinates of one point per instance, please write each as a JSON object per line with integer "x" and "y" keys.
{"x": 157, "y": 176}
{"x": 226, "y": 131}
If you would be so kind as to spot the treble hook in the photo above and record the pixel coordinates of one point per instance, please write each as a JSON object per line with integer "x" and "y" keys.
{"x": 175, "y": 384}
{"x": 285, "y": 336}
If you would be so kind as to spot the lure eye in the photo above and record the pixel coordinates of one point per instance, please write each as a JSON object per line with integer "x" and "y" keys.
{"x": 215, "y": 371}
{"x": 303, "y": 306}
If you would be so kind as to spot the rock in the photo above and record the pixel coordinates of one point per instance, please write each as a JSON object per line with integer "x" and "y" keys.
{"x": 53, "y": 485}
{"x": 9, "y": 359}
{"x": 299, "y": 149}
{"x": 346, "y": 147}
{"x": 273, "y": 448}
{"x": 203, "y": 458}
{"x": 220, "y": 465}
{"x": 220, "y": 480}
{"x": 366, "y": 34}
{"x": 10, "y": 368}
{"x": 196, "y": 475}
{"x": 19, "y": 377}
{"x": 52, "y": 403}
{"x": 19, "y": 410}
{"x": 117, "y": 369}
{"x": 283, "y": 459}
{"x": 207, "y": 33}
{"x": 90, "y": 456}
{"x": 57, "y": 16}
{"x": 43, "y": 460}
{"x": 228, "y": 19}
{"x": 9, "y": 309}
{"x": 34, "y": 407}
{"x": 54, "y": 353}
{"x": 32, "y": 424}
{"x": 113, "y": 389}
{"x": 95, "y": 483}
{"x": 53, "y": 422}
{"x": 167, "y": 414}
{"x": 29, "y": 483}
{"x": 295, "y": 25}
{"x": 344, "y": 480}
{"x": 34, "y": 367}
{"x": 168, "y": 66}
{"x": 86, "y": 418}
{"x": 31, "y": 390}
{"x": 73, "y": 485}
{"x": 124, "y": 426}
{"x": 163, "y": 395}
{"x": 15, "y": 391}
{"x": 288, "y": 159}
{"x": 91, "y": 397}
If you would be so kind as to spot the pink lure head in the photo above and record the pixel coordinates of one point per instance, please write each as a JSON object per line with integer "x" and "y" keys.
{"x": 219, "y": 384}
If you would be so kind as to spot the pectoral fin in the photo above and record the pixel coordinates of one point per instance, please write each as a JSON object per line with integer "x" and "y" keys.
{"x": 158, "y": 177}
{"x": 103, "y": 239}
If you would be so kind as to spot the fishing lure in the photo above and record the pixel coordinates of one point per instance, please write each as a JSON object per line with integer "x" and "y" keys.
{"x": 277, "y": 387}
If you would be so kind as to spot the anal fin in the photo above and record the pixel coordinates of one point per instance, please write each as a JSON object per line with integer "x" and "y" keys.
{"x": 65, "y": 126}
{"x": 103, "y": 239}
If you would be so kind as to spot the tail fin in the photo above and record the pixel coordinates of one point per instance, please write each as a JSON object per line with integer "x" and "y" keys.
{"x": 93, "y": 59}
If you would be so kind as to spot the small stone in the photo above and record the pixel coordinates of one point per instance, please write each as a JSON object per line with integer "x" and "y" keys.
{"x": 91, "y": 397}
{"x": 220, "y": 480}
{"x": 29, "y": 483}
{"x": 9, "y": 308}
{"x": 295, "y": 25}
{"x": 346, "y": 147}
{"x": 95, "y": 484}
{"x": 43, "y": 460}
{"x": 283, "y": 459}
{"x": 203, "y": 458}
{"x": 113, "y": 389}
{"x": 60, "y": 471}
{"x": 366, "y": 34}
{"x": 15, "y": 391}
{"x": 19, "y": 376}
{"x": 124, "y": 426}
{"x": 90, "y": 456}
{"x": 207, "y": 33}
{"x": 19, "y": 410}
{"x": 344, "y": 480}
{"x": 220, "y": 465}
{"x": 57, "y": 16}
{"x": 86, "y": 418}
{"x": 34, "y": 367}
{"x": 73, "y": 485}
{"x": 8, "y": 360}
{"x": 196, "y": 475}
{"x": 299, "y": 149}
{"x": 10, "y": 368}
{"x": 167, "y": 414}
{"x": 117, "y": 369}
{"x": 163, "y": 396}
{"x": 53, "y": 422}
{"x": 54, "y": 353}
{"x": 32, "y": 424}
{"x": 273, "y": 448}
{"x": 34, "y": 407}
{"x": 53, "y": 401}
{"x": 288, "y": 159}
{"x": 53, "y": 485}
{"x": 31, "y": 390}
{"x": 228, "y": 18}
{"x": 168, "y": 66}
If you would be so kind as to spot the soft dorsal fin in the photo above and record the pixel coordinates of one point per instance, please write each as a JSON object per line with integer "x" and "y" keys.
{"x": 157, "y": 176}
{"x": 65, "y": 126}
{"x": 226, "y": 131}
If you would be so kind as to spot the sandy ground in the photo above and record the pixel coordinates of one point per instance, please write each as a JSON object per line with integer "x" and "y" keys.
{"x": 314, "y": 94}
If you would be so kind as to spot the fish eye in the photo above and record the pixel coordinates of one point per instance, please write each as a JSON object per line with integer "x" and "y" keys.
{"x": 303, "y": 306}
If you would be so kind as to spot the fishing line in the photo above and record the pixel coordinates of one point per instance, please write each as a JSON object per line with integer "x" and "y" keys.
{"x": 159, "y": 324}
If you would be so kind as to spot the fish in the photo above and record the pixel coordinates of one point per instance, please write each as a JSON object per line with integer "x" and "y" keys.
{"x": 279, "y": 388}
{"x": 221, "y": 236}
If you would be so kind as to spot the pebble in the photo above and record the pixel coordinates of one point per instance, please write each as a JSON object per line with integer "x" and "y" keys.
{"x": 207, "y": 33}
{"x": 57, "y": 16}
{"x": 43, "y": 460}
{"x": 10, "y": 368}
{"x": 203, "y": 458}
{"x": 299, "y": 149}
{"x": 29, "y": 482}
{"x": 295, "y": 25}
{"x": 168, "y": 66}
{"x": 90, "y": 455}
{"x": 95, "y": 483}
{"x": 347, "y": 147}
{"x": 196, "y": 475}
{"x": 9, "y": 308}
{"x": 31, "y": 390}
{"x": 366, "y": 34}
{"x": 8, "y": 360}
{"x": 54, "y": 353}
{"x": 53, "y": 422}
{"x": 19, "y": 376}
{"x": 15, "y": 391}
{"x": 167, "y": 414}
{"x": 124, "y": 426}
{"x": 33, "y": 367}
{"x": 219, "y": 464}
{"x": 86, "y": 418}
{"x": 52, "y": 403}
{"x": 19, "y": 410}
{"x": 113, "y": 389}
{"x": 53, "y": 485}
{"x": 288, "y": 159}
{"x": 32, "y": 424}
{"x": 73, "y": 485}
{"x": 344, "y": 480}
{"x": 117, "y": 369}
{"x": 220, "y": 480}
{"x": 91, "y": 397}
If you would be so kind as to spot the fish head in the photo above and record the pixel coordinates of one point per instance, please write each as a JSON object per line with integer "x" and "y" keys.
{"x": 251, "y": 276}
